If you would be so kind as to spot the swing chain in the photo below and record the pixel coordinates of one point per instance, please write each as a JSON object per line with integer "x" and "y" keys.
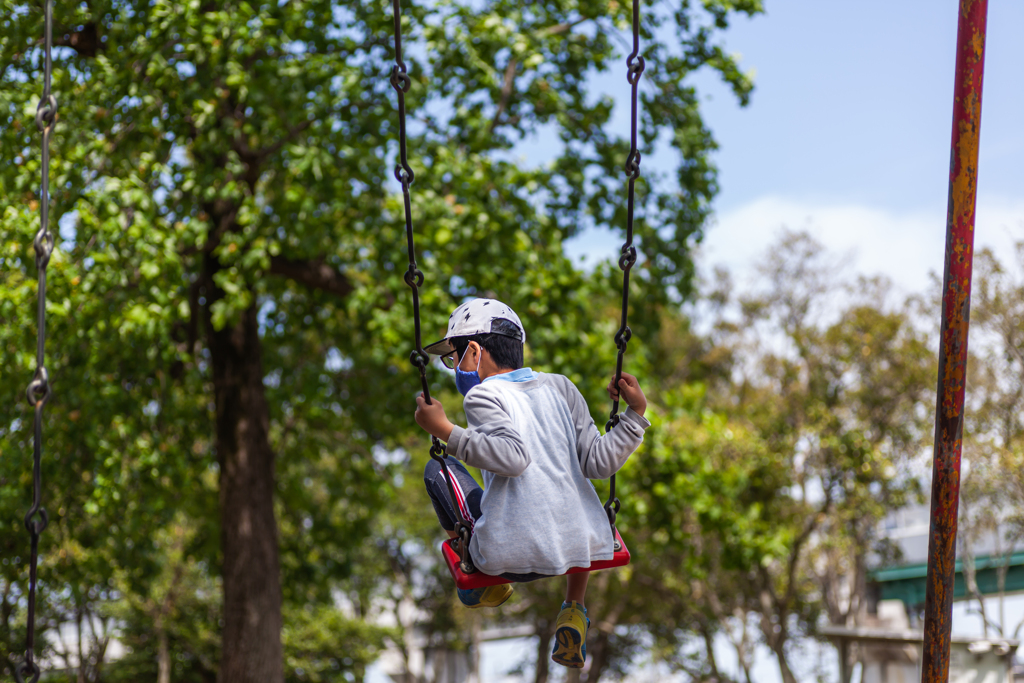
{"x": 401, "y": 82}
{"x": 627, "y": 258}
{"x": 38, "y": 391}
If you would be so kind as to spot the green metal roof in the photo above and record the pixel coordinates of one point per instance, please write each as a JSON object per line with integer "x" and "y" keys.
{"x": 908, "y": 583}
{"x": 914, "y": 571}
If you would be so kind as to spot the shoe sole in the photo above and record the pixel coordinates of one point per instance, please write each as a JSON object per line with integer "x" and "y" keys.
{"x": 568, "y": 648}
{"x": 481, "y": 605}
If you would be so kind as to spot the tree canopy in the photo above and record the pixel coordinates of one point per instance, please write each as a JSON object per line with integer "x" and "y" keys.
{"x": 228, "y": 327}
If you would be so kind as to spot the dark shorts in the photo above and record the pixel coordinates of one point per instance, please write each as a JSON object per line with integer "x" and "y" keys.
{"x": 468, "y": 494}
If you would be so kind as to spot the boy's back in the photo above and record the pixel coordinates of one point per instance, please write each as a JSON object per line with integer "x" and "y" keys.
{"x": 532, "y": 436}
{"x": 534, "y": 439}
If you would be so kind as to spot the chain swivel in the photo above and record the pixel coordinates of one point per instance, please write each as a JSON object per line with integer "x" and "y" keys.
{"x": 634, "y": 69}
{"x": 612, "y": 508}
{"x": 38, "y": 392}
{"x": 419, "y": 359}
{"x": 632, "y": 165}
{"x": 622, "y": 338}
{"x": 628, "y": 257}
{"x": 404, "y": 175}
{"x": 46, "y": 113}
{"x": 27, "y": 671}
{"x": 43, "y": 245}
{"x": 400, "y": 80}
{"x": 414, "y": 276}
{"x": 36, "y": 521}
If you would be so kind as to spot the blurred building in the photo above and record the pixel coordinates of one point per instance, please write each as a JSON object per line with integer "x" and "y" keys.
{"x": 904, "y": 576}
{"x": 889, "y": 651}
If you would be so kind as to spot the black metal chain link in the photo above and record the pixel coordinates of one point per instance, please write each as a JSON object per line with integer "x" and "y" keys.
{"x": 401, "y": 82}
{"x": 38, "y": 393}
{"x": 627, "y": 258}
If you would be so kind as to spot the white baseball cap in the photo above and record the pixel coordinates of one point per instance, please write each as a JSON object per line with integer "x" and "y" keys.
{"x": 477, "y": 317}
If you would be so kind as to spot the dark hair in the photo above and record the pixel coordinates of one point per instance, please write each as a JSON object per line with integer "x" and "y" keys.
{"x": 506, "y": 351}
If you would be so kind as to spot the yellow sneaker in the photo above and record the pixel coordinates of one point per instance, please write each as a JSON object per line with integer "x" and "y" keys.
{"x": 491, "y": 596}
{"x": 571, "y": 636}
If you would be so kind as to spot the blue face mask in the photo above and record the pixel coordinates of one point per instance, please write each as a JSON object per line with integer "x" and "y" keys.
{"x": 464, "y": 381}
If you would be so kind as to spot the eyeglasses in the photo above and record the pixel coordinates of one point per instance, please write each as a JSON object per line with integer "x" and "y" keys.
{"x": 450, "y": 360}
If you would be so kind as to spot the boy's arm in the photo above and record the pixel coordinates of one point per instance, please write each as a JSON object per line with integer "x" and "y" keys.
{"x": 602, "y": 455}
{"x": 492, "y": 442}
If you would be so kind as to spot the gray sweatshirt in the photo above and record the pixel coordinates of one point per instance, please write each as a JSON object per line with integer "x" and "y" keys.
{"x": 532, "y": 436}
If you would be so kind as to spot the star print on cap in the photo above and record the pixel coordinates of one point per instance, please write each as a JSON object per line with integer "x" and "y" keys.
{"x": 476, "y": 317}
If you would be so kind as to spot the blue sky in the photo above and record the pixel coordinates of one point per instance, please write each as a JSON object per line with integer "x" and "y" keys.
{"x": 848, "y": 134}
{"x": 854, "y": 104}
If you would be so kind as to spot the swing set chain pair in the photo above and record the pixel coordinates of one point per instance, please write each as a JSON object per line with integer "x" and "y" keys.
{"x": 401, "y": 82}
{"x": 38, "y": 392}
{"x": 634, "y": 69}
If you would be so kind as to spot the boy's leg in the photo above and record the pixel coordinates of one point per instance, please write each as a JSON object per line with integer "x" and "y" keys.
{"x": 576, "y": 587}
{"x": 467, "y": 493}
{"x": 572, "y": 624}
{"x": 467, "y": 497}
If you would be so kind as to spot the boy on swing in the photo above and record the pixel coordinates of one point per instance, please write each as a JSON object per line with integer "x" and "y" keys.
{"x": 532, "y": 436}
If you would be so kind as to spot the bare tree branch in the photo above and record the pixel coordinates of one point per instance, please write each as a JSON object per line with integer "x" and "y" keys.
{"x": 313, "y": 273}
{"x": 506, "y": 93}
{"x": 561, "y": 28}
{"x": 292, "y": 133}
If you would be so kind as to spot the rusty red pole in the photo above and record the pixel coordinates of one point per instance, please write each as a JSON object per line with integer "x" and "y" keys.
{"x": 956, "y": 309}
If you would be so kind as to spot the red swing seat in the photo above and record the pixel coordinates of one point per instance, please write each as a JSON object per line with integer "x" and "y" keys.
{"x": 480, "y": 580}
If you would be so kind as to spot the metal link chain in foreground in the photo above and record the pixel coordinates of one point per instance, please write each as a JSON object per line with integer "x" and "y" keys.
{"x": 635, "y": 67}
{"x": 28, "y": 671}
{"x": 401, "y": 82}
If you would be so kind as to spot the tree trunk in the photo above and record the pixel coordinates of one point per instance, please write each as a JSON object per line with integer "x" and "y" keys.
{"x": 163, "y": 656}
{"x": 474, "y": 651}
{"x": 545, "y": 632}
{"x": 784, "y": 670}
{"x": 709, "y": 646}
{"x": 81, "y": 652}
{"x": 598, "y": 651}
{"x": 251, "y": 638}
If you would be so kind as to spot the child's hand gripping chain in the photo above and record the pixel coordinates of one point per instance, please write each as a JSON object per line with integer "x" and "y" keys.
{"x": 432, "y": 418}
{"x": 630, "y": 391}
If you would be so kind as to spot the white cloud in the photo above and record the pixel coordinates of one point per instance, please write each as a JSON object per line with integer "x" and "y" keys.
{"x": 905, "y": 246}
